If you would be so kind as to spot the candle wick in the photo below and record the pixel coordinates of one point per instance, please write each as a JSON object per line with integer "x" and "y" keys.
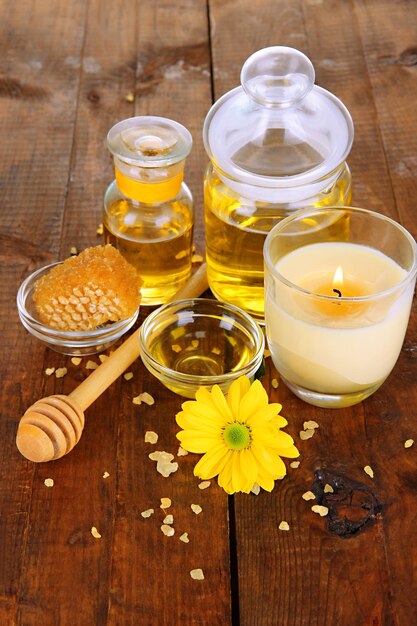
{"x": 339, "y": 293}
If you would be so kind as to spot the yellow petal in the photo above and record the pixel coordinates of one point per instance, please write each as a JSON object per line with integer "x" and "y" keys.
{"x": 236, "y": 391}
{"x": 225, "y": 476}
{"x": 265, "y": 481}
{"x": 193, "y": 441}
{"x": 248, "y": 466}
{"x": 213, "y": 462}
{"x": 270, "y": 463}
{"x": 238, "y": 478}
{"x": 186, "y": 420}
{"x": 278, "y": 439}
{"x": 290, "y": 453}
{"x": 266, "y": 413}
{"x": 253, "y": 401}
{"x": 204, "y": 412}
{"x": 219, "y": 400}
{"x": 203, "y": 395}
{"x": 279, "y": 421}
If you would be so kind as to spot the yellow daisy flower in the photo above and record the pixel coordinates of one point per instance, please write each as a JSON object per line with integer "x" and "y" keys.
{"x": 239, "y": 435}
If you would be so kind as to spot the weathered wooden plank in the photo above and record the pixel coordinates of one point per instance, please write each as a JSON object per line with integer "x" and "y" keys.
{"x": 389, "y": 34}
{"x": 342, "y": 69}
{"x": 37, "y": 111}
{"x": 388, "y": 31}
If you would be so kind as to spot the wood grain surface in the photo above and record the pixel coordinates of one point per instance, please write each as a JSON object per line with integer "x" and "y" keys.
{"x": 68, "y": 72}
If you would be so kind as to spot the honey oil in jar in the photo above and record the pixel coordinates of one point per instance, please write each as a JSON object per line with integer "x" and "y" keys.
{"x": 236, "y": 229}
{"x": 276, "y": 144}
{"x": 148, "y": 210}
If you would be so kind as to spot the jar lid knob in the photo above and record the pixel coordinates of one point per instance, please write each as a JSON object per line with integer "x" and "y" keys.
{"x": 149, "y": 141}
{"x": 277, "y": 77}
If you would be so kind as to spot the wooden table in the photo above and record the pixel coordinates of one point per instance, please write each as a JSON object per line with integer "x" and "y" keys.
{"x": 67, "y": 72}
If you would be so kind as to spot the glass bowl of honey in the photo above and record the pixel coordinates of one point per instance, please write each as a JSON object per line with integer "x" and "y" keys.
{"x": 200, "y": 343}
{"x": 72, "y": 343}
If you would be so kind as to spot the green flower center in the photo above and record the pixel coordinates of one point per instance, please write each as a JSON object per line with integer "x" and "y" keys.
{"x": 237, "y": 436}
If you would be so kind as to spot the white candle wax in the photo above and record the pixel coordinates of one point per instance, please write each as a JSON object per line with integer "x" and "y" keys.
{"x": 321, "y": 347}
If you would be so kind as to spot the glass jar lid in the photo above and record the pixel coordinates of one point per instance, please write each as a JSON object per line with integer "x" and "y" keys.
{"x": 149, "y": 141}
{"x": 278, "y": 129}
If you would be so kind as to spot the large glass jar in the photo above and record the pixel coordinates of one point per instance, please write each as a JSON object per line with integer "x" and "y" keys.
{"x": 148, "y": 210}
{"x": 276, "y": 144}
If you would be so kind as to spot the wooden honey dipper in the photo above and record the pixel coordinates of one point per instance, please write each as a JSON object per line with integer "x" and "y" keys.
{"x": 52, "y": 426}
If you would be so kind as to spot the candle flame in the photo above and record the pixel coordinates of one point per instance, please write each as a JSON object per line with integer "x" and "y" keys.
{"x": 338, "y": 278}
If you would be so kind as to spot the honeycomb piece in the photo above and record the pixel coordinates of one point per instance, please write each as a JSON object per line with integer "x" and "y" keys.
{"x": 86, "y": 291}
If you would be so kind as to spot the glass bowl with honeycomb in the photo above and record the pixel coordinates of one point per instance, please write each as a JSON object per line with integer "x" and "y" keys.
{"x": 81, "y": 306}
{"x": 199, "y": 343}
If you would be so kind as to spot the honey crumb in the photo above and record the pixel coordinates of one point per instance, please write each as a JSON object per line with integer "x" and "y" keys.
{"x": 151, "y": 437}
{"x": 196, "y": 508}
{"x": 321, "y": 510}
{"x": 164, "y": 465}
{"x": 308, "y": 495}
{"x": 103, "y": 357}
{"x": 130, "y": 97}
{"x": 184, "y": 538}
{"x": 73, "y": 250}
{"x": 178, "y": 332}
{"x": 166, "y": 468}
{"x": 160, "y": 455}
{"x": 176, "y": 347}
{"x": 306, "y": 434}
{"x": 274, "y": 383}
{"x": 100, "y": 229}
{"x": 295, "y": 464}
{"x": 167, "y": 530}
{"x": 147, "y": 513}
{"x": 95, "y": 533}
{"x": 408, "y": 443}
{"x": 76, "y": 360}
{"x": 328, "y": 488}
{"x": 216, "y": 350}
{"x": 204, "y": 484}
{"x": 169, "y": 519}
{"x": 181, "y": 452}
{"x": 165, "y": 503}
{"x": 196, "y": 258}
{"x": 136, "y": 400}
{"x": 60, "y": 372}
{"x": 194, "y": 343}
{"x": 49, "y": 371}
{"x": 368, "y": 470}
{"x": 284, "y": 525}
{"x": 128, "y": 376}
{"x": 146, "y": 398}
{"x": 91, "y": 365}
{"x": 256, "y": 489}
{"x": 106, "y": 475}
{"x": 197, "y": 574}
{"x": 310, "y": 425}
{"x": 48, "y": 482}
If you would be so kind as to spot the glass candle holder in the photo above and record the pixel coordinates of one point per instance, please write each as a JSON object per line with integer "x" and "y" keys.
{"x": 339, "y": 283}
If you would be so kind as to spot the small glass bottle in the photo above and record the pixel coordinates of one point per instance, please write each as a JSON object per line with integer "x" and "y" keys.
{"x": 148, "y": 209}
{"x": 276, "y": 144}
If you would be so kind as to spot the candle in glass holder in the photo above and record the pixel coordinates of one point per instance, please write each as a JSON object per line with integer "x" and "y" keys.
{"x": 336, "y": 312}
